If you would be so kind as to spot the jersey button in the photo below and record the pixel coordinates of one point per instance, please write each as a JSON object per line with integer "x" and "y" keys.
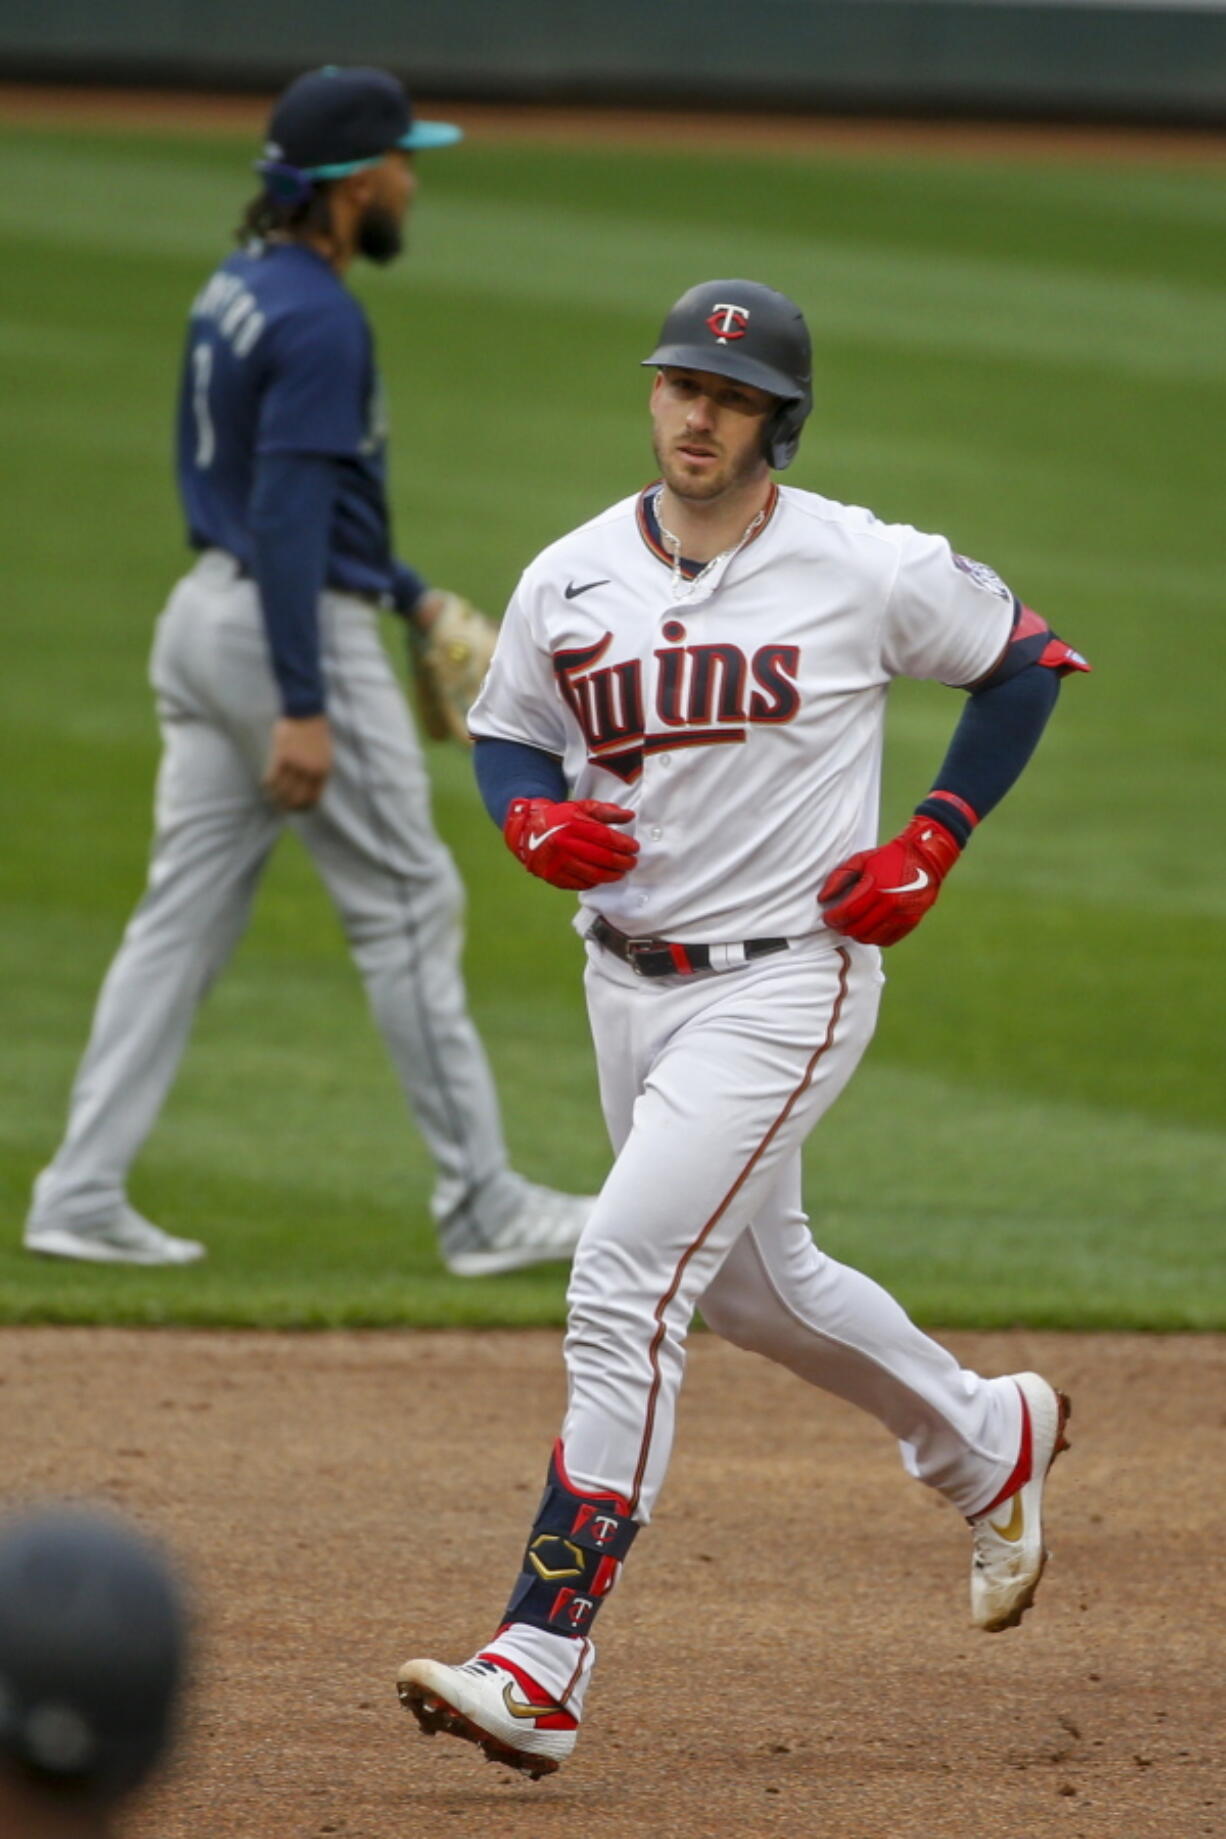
{"x": 666, "y": 759}
{"x": 656, "y": 833}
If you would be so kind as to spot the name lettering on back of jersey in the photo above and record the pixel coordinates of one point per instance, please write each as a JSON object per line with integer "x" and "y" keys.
{"x": 232, "y": 309}
{"x": 700, "y": 695}
{"x": 378, "y": 421}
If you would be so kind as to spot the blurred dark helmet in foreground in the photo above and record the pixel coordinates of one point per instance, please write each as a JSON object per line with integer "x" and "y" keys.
{"x": 93, "y": 1631}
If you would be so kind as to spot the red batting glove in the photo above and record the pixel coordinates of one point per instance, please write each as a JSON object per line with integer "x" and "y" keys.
{"x": 570, "y": 844}
{"x": 879, "y": 895}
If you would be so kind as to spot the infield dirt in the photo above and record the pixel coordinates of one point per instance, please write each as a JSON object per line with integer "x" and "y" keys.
{"x": 787, "y": 1653}
{"x": 153, "y": 111}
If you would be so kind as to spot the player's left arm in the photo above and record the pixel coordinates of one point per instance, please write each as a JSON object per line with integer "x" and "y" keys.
{"x": 880, "y": 895}
{"x": 289, "y": 513}
{"x": 311, "y": 419}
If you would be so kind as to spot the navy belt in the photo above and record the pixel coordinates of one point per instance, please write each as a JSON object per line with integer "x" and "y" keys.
{"x": 243, "y": 573}
{"x": 661, "y": 958}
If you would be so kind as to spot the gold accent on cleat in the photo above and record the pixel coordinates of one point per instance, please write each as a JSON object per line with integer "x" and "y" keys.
{"x": 520, "y": 1708}
{"x": 1015, "y": 1525}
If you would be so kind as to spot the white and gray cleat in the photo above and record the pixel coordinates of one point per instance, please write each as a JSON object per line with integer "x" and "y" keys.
{"x": 493, "y": 1705}
{"x": 546, "y": 1226}
{"x": 128, "y": 1238}
{"x": 1009, "y": 1548}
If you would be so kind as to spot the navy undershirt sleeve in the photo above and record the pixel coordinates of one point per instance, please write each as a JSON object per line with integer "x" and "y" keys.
{"x": 407, "y": 587}
{"x": 290, "y": 513}
{"x": 998, "y": 731}
{"x": 507, "y": 770}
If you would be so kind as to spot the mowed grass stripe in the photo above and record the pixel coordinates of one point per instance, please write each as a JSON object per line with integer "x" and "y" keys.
{"x": 1024, "y": 357}
{"x": 919, "y": 1206}
{"x": 1011, "y": 307}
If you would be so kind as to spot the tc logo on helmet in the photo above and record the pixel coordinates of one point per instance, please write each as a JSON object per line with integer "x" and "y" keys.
{"x": 728, "y": 321}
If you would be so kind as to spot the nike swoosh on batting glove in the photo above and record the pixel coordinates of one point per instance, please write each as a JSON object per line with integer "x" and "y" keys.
{"x": 570, "y": 844}
{"x": 879, "y": 895}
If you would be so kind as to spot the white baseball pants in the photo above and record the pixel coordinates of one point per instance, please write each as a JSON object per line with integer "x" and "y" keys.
{"x": 373, "y": 842}
{"x": 710, "y": 1086}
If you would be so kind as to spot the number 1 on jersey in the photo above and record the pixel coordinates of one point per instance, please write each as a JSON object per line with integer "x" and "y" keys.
{"x": 202, "y": 373}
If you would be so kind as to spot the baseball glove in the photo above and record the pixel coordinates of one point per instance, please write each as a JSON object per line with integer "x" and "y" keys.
{"x": 450, "y": 660}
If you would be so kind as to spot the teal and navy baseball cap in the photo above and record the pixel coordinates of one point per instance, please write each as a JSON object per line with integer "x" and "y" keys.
{"x": 334, "y": 121}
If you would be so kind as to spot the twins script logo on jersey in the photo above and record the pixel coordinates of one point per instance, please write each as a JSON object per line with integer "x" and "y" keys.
{"x": 699, "y": 695}
{"x": 728, "y": 322}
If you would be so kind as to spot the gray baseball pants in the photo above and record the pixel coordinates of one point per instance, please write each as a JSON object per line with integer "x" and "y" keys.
{"x": 372, "y": 839}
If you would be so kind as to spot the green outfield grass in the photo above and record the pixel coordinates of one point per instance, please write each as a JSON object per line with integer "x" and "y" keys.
{"x": 1027, "y": 357}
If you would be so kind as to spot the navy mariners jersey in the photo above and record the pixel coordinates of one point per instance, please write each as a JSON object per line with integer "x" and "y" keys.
{"x": 280, "y": 359}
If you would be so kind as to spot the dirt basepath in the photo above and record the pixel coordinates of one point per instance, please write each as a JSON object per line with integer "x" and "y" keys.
{"x": 152, "y": 111}
{"x": 788, "y": 1653}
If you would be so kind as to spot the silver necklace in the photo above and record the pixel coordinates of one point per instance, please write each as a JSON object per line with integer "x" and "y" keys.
{"x": 685, "y": 587}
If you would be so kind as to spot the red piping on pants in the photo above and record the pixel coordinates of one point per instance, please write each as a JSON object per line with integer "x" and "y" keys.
{"x": 662, "y": 1306}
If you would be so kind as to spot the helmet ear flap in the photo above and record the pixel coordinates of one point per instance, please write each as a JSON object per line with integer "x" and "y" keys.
{"x": 781, "y": 434}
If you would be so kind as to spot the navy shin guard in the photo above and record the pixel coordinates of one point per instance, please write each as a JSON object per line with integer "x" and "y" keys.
{"x": 573, "y": 1555}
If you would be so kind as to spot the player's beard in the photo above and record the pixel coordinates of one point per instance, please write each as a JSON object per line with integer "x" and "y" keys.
{"x": 380, "y": 238}
{"x": 729, "y": 477}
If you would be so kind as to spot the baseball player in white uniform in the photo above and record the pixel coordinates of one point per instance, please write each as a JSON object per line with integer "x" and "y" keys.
{"x": 683, "y": 721}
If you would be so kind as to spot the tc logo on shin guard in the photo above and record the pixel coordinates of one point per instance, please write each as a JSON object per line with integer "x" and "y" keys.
{"x": 601, "y": 1527}
{"x": 577, "y": 1542}
{"x": 572, "y": 1611}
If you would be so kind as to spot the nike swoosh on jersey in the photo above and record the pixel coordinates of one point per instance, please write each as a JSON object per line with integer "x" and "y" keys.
{"x": 534, "y": 842}
{"x": 910, "y": 887}
{"x": 573, "y": 590}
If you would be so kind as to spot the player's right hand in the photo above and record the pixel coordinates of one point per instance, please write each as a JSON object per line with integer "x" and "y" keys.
{"x": 299, "y": 761}
{"x": 570, "y": 844}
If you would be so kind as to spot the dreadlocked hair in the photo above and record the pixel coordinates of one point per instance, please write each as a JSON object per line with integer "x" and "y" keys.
{"x": 267, "y": 216}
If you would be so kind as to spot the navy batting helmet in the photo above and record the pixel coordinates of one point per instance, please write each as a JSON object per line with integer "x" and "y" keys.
{"x": 92, "y": 1634}
{"x": 744, "y": 330}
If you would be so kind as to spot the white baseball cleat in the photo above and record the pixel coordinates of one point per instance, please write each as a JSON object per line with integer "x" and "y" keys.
{"x": 496, "y": 1706}
{"x": 1010, "y": 1553}
{"x": 547, "y": 1225}
{"x": 129, "y": 1238}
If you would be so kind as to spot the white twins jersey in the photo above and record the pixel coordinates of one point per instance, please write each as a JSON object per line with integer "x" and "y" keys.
{"x": 739, "y": 715}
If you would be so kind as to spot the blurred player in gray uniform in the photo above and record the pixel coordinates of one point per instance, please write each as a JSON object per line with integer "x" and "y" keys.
{"x": 93, "y": 1633}
{"x": 278, "y": 705}
{"x": 684, "y": 722}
